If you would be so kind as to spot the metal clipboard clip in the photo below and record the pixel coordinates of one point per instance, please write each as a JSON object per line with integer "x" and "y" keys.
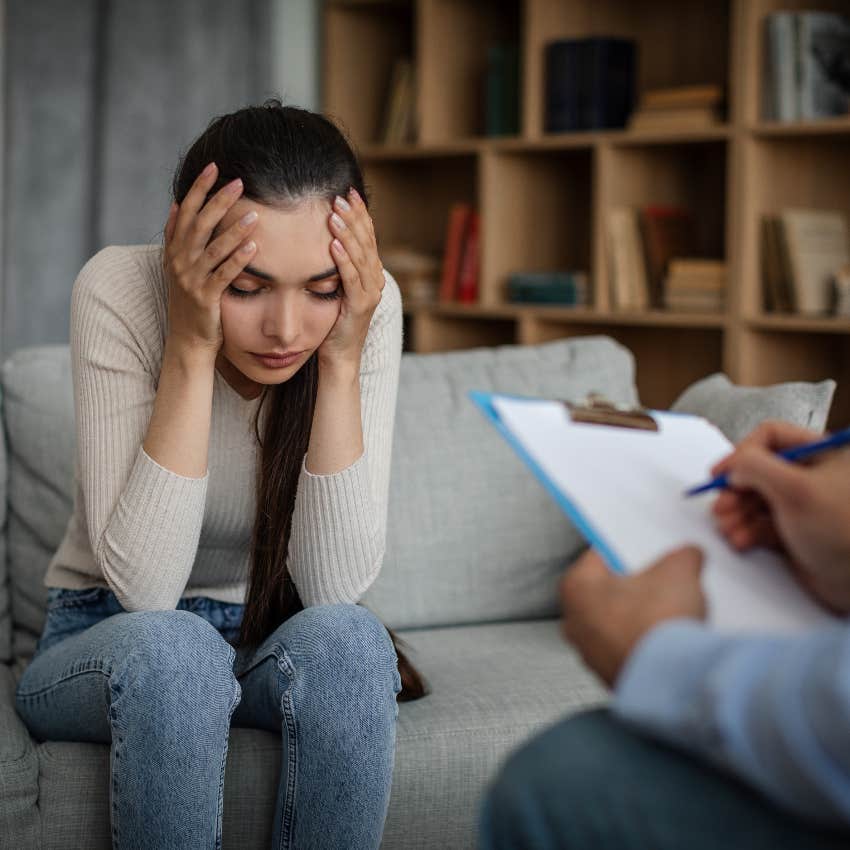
{"x": 596, "y": 410}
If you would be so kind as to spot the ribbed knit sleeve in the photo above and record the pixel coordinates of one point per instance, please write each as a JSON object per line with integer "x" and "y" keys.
{"x": 339, "y": 524}
{"x": 143, "y": 520}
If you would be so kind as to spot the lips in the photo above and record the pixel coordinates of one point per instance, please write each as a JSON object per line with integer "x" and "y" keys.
{"x": 278, "y": 361}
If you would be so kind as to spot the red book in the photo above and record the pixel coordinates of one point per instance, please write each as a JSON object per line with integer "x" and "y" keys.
{"x": 668, "y": 232}
{"x": 459, "y": 217}
{"x": 468, "y": 282}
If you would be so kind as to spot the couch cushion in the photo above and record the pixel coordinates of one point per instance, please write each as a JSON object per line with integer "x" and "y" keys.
{"x": 492, "y": 687}
{"x": 472, "y": 536}
{"x": 39, "y": 417}
{"x": 737, "y": 410}
{"x": 5, "y": 607}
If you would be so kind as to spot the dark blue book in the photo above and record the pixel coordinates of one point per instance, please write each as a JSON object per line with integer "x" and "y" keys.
{"x": 590, "y": 84}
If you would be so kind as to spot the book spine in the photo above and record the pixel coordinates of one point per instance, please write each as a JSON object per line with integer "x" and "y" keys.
{"x": 455, "y": 235}
{"x": 468, "y": 279}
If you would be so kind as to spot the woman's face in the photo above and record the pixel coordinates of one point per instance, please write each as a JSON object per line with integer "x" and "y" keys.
{"x": 294, "y": 294}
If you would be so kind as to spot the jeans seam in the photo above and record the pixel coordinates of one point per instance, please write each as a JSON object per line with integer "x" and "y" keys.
{"x": 96, "y": 667}
{"x": 287, "y": 708}
{"x": 220, "y": 816}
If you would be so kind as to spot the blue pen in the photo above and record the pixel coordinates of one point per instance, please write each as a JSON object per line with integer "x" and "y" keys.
{"x": 839, "y": 438}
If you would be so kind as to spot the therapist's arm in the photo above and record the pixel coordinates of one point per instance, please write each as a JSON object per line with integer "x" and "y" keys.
{"x": 775, "y": 711}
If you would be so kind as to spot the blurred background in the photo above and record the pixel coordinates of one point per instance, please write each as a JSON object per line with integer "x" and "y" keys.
{"x": 670, "y": 173}
{"x": 100, "y": 99}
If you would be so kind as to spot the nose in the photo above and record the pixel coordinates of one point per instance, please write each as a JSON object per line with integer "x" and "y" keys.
{"x": 282, "y": 321}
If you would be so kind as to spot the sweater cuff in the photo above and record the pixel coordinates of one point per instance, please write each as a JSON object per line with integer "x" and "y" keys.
{"x": 167, "y": 510}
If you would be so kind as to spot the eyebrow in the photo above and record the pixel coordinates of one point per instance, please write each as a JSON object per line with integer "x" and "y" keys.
{"x": 314, "y": 279}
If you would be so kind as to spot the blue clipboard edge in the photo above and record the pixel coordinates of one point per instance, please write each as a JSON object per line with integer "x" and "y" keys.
{"x": 484, "y": 402}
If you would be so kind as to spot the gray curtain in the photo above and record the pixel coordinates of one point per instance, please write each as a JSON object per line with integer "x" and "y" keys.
{"x": 102, "y": 97}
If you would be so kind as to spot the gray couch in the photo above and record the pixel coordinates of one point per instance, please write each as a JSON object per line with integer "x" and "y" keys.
{"x": 475, "y": 549}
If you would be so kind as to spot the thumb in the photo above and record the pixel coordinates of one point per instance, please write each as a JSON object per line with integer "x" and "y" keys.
{"x": 689, "y": 558}
{"x": 775, "y": 479}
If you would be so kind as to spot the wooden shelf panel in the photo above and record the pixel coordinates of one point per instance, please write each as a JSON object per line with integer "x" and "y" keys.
{"x": 575, "y": 315}
{"x": 805, "y": 324}
{"x": 825, "y": 127}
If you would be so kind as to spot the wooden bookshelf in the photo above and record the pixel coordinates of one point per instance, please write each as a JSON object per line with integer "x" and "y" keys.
{"x": 544, "y": 198}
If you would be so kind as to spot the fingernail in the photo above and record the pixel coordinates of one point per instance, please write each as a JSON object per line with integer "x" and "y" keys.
{"x": 248, "y": 247}
{"x": 248, "y": 218}
{"x": 234, "y": 186}
{"x": 338, "y": 222}
{"x": 354, "y": 194}
{"x": 209, "y": 169}
{"x": 342, "y": 204}
{"x": 337, "y": 245}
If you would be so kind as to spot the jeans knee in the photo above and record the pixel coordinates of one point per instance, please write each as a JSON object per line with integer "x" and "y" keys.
{"x": 176, "y": 653}
{"x": 349, "y": 641}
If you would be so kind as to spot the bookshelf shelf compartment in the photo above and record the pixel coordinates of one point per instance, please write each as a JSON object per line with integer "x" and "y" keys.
{"x": 677, "y": 41}
{"x": 455, "y": 37}
{"x": 361, "y": 43}
{"x": 410, "y": 199}
{"x": 544, "y": 200}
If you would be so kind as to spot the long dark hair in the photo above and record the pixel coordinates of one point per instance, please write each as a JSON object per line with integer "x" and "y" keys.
{"x": 283, "y": 155}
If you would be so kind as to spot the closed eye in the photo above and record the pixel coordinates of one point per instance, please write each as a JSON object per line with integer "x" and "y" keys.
{"x": 328, "y": 296}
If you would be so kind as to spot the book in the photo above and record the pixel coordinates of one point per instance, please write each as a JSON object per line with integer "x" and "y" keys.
{"x": 502, "y": 90}
{"x": 397, "y": 124}
{"x": 668, "y": 232}
{"x": 681, "y": 97}
{"x": 467, "y": 286}
{"x": 776, "y": 267}
{"x": 589, "y": 83}
{"x": 690, "y": 117}
{"x": 807, "y": 56}
{"x": 818, "y": 246}
{"x": 629, "y": 287}
{"x": 824, "y": 65}
{"x": 781, "y": 74}
{"x": 623, "y": 490}
{"x": 567, "y": 288}
{"x": 458, "y": 222}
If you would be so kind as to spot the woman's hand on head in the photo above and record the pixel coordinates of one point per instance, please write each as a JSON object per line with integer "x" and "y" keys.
{"x": 198, "y": 269}
{"x": 355, "y": 253}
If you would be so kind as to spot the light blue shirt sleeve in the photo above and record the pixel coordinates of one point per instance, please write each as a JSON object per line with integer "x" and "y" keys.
{"x": 774, "y": 710}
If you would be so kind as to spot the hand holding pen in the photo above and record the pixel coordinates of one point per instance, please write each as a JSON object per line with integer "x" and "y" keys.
{"x": 800, "y": 509}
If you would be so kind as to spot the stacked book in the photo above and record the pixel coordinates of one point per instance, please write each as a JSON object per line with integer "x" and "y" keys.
{"x": 803, "y": 253}
{"x": 695, "y": 285}
{"x": 651, "y": 261}
{"x": 684, "y": 107}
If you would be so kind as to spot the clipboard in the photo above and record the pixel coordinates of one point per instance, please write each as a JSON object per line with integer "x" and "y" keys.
{"x": 622, "y": 489}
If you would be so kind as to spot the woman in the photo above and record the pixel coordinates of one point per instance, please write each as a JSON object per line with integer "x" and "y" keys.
{"x": 234, "y": 395}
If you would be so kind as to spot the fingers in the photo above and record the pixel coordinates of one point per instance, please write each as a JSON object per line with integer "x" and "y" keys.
{"x": 212, "y": 213}
{"x": 223, "y": 245}
{"x": 685, "y": 558}
{"x": 782, "y": 484}
{"x": 223, "y": 276}
{"x": 352, "y": 226}
{"x": 194, "y": 199}
{"x": 773, "y": 435}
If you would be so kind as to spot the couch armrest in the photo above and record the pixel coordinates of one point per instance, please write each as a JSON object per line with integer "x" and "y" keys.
{"x": 19, "y": 816}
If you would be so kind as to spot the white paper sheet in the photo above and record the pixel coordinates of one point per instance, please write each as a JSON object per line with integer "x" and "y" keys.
{"x": 627, "y": 485}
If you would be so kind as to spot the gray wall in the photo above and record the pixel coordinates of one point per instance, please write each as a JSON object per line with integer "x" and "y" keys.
{"x": 102, "y": 98}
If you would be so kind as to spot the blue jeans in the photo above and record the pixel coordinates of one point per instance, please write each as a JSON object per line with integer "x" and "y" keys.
{"x": 162, "y": 688}
{"x": 590, "y": 781}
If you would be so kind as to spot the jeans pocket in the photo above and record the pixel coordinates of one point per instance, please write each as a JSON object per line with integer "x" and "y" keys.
{"x": 61, "y": 597}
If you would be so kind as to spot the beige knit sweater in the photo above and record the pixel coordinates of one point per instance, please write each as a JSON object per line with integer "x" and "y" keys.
{"x": 153, "y": 536}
